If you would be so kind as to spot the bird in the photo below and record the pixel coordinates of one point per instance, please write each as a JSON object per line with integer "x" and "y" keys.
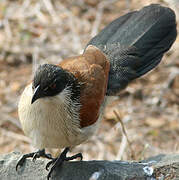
{"x": 62, "y": 106}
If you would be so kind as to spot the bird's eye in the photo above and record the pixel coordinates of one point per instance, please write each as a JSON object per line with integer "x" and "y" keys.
{"x": 53, "y": 86}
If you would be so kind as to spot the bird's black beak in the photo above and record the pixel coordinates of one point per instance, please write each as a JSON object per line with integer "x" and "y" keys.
{"x": 36, "y": 95}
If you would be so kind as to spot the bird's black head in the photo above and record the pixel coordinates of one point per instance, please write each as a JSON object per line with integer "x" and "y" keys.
{"x": 50, "y": 80}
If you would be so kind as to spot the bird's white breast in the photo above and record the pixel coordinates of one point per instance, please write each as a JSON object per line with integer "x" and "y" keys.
{"x": 49, "y": 123}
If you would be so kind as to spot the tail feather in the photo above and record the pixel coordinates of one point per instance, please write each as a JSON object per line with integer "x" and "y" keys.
{"x": 135, "y": 43}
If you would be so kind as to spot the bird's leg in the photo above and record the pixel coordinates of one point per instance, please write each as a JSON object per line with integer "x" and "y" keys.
{"x": 34, "y": 156}
{"x": 57, "y": 162}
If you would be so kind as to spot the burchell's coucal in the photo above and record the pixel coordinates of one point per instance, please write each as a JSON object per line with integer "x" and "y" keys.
{"x": 62, "y": 105}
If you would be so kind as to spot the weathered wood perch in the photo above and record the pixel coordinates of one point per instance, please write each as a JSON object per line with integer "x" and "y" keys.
{"x": 162, "y": 167}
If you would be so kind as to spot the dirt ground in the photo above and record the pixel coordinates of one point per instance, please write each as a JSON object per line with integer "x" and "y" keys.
{"x": 34, "y": 32}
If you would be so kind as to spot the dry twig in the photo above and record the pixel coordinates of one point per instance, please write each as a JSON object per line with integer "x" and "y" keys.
{"x": 125, "y": 134}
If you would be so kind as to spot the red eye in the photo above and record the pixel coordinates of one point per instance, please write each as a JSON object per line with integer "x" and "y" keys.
{"x": 53, "y": 86}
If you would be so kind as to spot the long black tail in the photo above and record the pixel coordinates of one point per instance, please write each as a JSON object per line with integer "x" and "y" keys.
{"x": 135, "y": 43}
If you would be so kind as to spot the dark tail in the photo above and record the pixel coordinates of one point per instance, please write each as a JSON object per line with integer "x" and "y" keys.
{"x": 135, "y": 43}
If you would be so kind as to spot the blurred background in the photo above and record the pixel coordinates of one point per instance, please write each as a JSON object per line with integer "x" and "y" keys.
{"x": 33, "y": 32}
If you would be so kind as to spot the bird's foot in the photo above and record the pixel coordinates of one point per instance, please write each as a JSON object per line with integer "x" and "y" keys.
{"x": 57, "y": 162}
{"x": 34, "y": 156}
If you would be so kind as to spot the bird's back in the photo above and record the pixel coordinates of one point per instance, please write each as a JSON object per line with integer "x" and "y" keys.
{"x": 91, "y": 69}
{"x": 135, "y": 43}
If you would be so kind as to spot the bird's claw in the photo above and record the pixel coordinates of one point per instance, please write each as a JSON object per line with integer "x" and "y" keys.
{"x": 34, "y": 156}
{"x": 57, "y": 162}
{"x": 20, "y": 162}
{"x": 49, "y": 163}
